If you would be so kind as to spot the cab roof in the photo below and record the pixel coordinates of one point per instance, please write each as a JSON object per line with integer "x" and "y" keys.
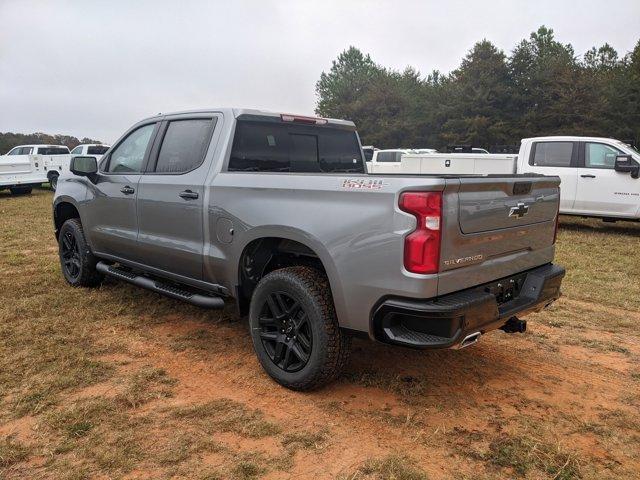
{"x": 34, "y": 145}
{"x": 571, "y": 138}
{"x": 250, "y": 112}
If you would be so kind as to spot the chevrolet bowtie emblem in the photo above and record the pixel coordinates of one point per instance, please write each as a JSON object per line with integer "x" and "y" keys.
{"x": 519, "y": 210}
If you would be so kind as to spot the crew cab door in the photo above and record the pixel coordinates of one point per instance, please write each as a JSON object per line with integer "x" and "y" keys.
{"x": 111, "y": 219}
{"x": 601, "y": 190}
{"x": 171, "y": 197}
{"x": 557, "y": 158}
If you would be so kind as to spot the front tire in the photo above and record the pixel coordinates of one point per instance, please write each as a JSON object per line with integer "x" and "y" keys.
{"x": 53, "y": 180}
{"x": 76, "y": 260}
{"x": 294, "y": 329}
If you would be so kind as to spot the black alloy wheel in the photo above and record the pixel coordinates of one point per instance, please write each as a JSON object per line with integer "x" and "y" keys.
{"x": 70, "y": 254}
{"x": 285, "y": 332}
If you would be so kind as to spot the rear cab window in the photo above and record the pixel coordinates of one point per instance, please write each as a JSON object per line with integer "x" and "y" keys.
{"x": 97, "y": 150}
{"x": 53, "y": 151}
{"x": 553, "y": 154}
{"x": 274, "y": 146}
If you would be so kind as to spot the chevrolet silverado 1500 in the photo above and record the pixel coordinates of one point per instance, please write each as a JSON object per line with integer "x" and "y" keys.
{"x": 277, "y": 211}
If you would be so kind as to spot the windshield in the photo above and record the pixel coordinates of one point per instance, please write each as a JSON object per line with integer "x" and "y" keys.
{"x": 629, "y": 149}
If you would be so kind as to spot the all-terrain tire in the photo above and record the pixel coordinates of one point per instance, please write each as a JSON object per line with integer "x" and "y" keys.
{"x": 330, "y": 346}
{"x": 22, "y": 190}
{"x": 76, "y": 260}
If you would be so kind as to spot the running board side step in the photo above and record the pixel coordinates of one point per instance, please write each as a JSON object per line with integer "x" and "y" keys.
{"x": 197, "y": 299}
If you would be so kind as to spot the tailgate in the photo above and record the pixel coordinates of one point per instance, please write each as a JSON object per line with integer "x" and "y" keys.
{"x": 489, "y": 204}
{"x": 496, "y": 226}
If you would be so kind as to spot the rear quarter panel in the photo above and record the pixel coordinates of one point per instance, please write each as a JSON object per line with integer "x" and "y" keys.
{"x": 356, "y": 232}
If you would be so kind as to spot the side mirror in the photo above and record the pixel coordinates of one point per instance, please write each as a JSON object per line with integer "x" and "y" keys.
{"x": 84, "y": 167}
{"x": 626, "y": 164}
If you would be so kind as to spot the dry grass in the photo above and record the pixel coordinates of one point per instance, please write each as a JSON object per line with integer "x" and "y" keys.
{"x": 119, "y": 382}
{"x": 391, "y": 467}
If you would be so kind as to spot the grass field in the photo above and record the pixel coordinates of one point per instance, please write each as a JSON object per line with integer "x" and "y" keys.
{"x": 118, "y": 382}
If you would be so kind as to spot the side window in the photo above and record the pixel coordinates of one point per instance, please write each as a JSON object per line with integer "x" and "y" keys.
{"x": 599, "y": 155}
{"x": 128, "y": 156}
{"x": 15, "y": 151}
{"x": 184, "y": 145}
{"x": 389, "y": 157}
{"x": 77, "y": 150}
{"x": 552, "y": 154}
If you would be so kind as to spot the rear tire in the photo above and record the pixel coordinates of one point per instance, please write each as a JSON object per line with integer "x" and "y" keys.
{"x": 76, "y": 260}
{"x": 22, "y": 190}
{"x": 53, "y": 180}
{"x": 294, "y": 329}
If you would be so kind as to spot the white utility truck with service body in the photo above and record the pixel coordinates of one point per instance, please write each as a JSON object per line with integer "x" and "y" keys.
{"x": 599, "y": 175}
{"x": 26, "y": 166}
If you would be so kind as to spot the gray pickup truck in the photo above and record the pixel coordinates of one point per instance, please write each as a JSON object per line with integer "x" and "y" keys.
{"x": 278, "y": 212}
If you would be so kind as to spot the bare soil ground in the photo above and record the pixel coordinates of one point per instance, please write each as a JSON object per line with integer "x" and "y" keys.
{"x": 118, "y": 382}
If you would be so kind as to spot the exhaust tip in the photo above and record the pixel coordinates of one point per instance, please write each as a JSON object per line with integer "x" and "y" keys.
{"x": 469, "y": 340}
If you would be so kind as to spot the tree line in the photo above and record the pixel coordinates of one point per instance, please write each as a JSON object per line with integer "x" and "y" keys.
{"x": 491, "y": 100}
{"x": 9, "y": 140}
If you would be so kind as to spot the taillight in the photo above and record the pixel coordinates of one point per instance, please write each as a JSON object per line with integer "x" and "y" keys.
{"x": 422, "y": 246}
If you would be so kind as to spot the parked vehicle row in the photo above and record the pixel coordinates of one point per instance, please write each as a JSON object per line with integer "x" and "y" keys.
{"x": 26, "y": 166}
{"x": 599, "y": 175}
{"x": 278, "y": 212}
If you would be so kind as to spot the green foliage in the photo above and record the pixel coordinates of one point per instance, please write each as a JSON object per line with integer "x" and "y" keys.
{"x": 9, "y": 140}
{"x": 492, "y": 99}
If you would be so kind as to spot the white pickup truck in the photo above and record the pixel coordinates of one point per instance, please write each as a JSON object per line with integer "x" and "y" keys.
{"x": 26, "y": 166}
{"x": 599, "y": 175}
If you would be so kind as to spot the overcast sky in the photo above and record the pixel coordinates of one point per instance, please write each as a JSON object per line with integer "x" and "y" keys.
{"x": 93, "y": 68}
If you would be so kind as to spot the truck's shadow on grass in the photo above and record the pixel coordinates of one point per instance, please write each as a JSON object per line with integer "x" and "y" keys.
{"x": 414, "y": 375}
{"x": 592, "y": 225}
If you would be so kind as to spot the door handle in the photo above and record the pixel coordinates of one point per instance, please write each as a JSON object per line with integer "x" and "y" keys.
{"x": 188, "y": 195}
{"x": 127, "y": 190}
{"x": 588, "y": 176}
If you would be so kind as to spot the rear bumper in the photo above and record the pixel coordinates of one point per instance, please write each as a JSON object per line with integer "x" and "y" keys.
{"x": 445, "y": 321}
